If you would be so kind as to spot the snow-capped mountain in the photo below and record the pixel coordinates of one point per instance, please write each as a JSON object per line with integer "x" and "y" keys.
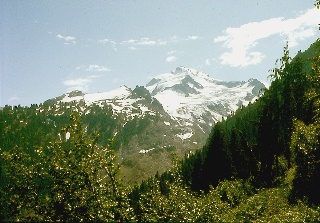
{"x": 123, "y": 100}
{"x": 190, "y": 96}
{"x": 174, "y": 112}
{"x": 120, "y": 93}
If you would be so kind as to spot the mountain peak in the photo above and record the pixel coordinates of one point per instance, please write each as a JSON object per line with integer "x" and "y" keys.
{"x": 187, "y": 78}
{"x": 185, "y": 94}
{"x": 190, "y": 71}
{"x": 191, "y": 95}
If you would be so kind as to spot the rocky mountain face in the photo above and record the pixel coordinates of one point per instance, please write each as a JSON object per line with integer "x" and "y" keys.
{"x": 174, "y": 112}
{"x": 194, "y": 99}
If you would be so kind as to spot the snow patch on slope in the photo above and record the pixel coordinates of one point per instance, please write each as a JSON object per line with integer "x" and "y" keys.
{"x": 185, "y": 136}
{"x": 190, "y": 95}
{"x": 191, "y": 98}
{"x": 119, "y": 93}
{"x": 119, "y": 99}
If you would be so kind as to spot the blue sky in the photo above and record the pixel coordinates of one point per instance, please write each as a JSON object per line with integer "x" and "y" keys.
{"x": 48, "y": 48}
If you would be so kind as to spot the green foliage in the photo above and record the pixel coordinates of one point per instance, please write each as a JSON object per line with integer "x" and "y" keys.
{"x": 261, "y": 142}
{"x": 69, "y": 179}
{"x": 305, "y": 142}
{"x": 231, "y": 201}
{"x": 271, "y": 205}
{"x": 216, "y": 163}
{"x": 234, "y": 191}
{"x": 244, "y": 163}
{"x": 141, "y": 91}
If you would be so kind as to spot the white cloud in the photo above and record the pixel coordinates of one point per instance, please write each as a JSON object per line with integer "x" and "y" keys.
{"x": 111, "y": 42}
{"x": 81, "y": 84}
{"x": 171, "y": 58}
{"x": 243, "y": 39}
{"x": 144, "y": 42}
{"x": 171, "y": 52}
{"x": 174, "y": 39}
{"x": 207, "y": 62}
{"x": 67, "y": 39}
{"x": 177, "y": 39}
{"x": 130, "y": 42}
{"x": 193, "y": 37}
{"x": 106, "y": 41}
{"x": 14, "y": 98}
{"x": 162, "y": 42}
{"x": 81, "y": 67}
{"x": 77, "y": 81}
{"x": 93, "y": 67}
{"x": 115, "y": 80}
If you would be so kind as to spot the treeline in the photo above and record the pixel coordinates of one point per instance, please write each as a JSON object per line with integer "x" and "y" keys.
{"x": 262, "y": 141}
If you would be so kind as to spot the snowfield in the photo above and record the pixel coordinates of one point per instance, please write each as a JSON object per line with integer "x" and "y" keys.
{"x": 188, "y": 94}
{"x": 191, "y": 98}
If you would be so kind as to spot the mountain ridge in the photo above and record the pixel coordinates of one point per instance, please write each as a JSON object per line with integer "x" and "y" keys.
{"x": 195, "y": 88}
{"x": 191, "y": 98}
{"x": 174, "y": 112}
{"x": 188, "y": 87}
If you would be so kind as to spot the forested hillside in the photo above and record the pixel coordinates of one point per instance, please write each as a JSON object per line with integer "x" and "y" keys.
{"x": 135, "y": 129}
{"x": 260, "y": 164}
{"x": 264, "y": 140}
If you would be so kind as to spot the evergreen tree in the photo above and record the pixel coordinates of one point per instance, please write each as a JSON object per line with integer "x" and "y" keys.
{"x": 243, "y": 162}
{"x": 217, "y": 163}
{"x": 306, "y": 142}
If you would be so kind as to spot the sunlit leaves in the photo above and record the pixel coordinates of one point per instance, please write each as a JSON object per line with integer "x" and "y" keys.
{"x": 317, "y": 4}
{"x": 72, "y": 179}
{"x": 305, "y": 142}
